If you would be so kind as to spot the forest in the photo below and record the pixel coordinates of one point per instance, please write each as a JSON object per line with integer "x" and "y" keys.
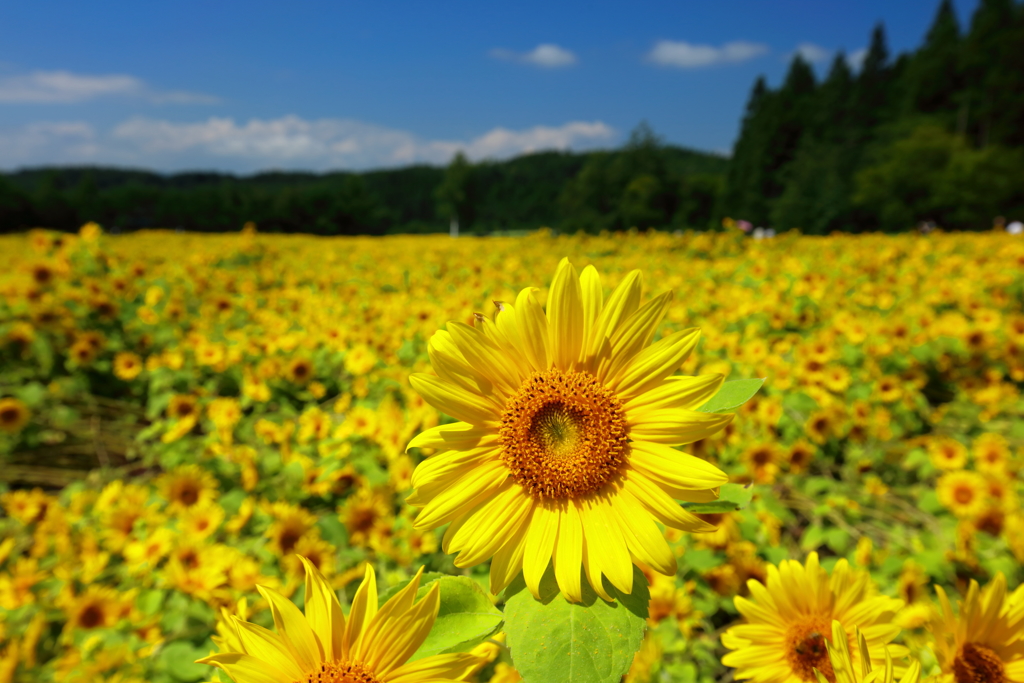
{"x": 933, "y": 135}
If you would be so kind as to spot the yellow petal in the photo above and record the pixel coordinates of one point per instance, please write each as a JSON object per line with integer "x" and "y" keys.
{"x": 510, "y": 347}
{"x": 540, "y": 543}
{"x": 676, "y": 427}
{"x": 565, "y": 316}
{"x": 294, "y": 629}
{"x": 569, "y": 552}
{"x": 643, "y": 538}
{"x": 533, "y": 328}
{"x": 688, "y": 393}
{"x": 455, "y": 401}
{"x": 633, "y": 335}
{"x": 485, "y": 356}
{"x": 606, "y": 543}
{"x": 454, "y": 436}
{"x": 652, "y": 365}
{"x": 451, "y": 366}
{"x": 269, "y": 647}
{"x": 673, "y": 468}
{"x": 508, "y": 560}
{"x": 491, "y": 525}
{"x": 461, "y": 495}
{"x": 622, "y": 304}
{"x": 661, "y": 505}
{"x": 453, "y": 667}
{"x": 451, "y": 465}
{"x": 364, "y": 608}
{"x": 323, "y": 611}
{"x": 243, "y": 667}
{"x": 593, "y": 303}
{"x": 402, "y": 635}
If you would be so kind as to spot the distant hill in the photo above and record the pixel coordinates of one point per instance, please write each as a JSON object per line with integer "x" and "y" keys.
{"x": 525, "y": 192}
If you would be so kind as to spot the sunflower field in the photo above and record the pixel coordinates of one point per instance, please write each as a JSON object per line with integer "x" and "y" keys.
{"x": 290, "y": 459}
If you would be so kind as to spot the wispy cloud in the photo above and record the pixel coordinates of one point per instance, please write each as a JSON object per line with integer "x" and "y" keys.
{"x": 811, "y": 52}
{"x": 65, "y": 87}
{"x": 286, "y": 142}
{"x": 546, "y": 55}
{"x": 684, "y": 55}
{"x": 856, "y": 58}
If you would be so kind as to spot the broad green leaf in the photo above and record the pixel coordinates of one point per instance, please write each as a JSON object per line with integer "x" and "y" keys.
{"x": 555, "y": 641}
{"x": 465, "y": 618}
{"x": 731, "y": 497}
{"x": 178, "y": 659}
{"x": 732, "y": 395}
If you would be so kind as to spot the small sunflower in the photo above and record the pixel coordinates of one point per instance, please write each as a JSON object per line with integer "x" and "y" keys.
{"x": 963, "y": 493}
{"x": 789, "y": 622}
{"x": 127, "y": 365}
{"x": 991, "y": 454}
{"x": 186, "y": 486}
{"x": 14, "y": 415}
{"x": 947, "y": 454}
{"x": 564, "y": 453}
{"x": 299, "y": 370}
{"x": 370, "y": 645}
{"x": 984, "y": 641}
{"x": 841, "y": 660}
{"x": 291, "y": 523}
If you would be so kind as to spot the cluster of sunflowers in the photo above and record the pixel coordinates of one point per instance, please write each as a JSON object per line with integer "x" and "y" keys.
{"x": 201, "y": 434}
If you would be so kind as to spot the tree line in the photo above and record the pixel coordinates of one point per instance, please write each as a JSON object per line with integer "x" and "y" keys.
{"x": 933, "y": 135}
{"x": 646, "y": 184}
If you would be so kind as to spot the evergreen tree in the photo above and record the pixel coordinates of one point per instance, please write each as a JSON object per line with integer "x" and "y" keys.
{"x": 986, "y": 60}
{"x": 933, "y": 79}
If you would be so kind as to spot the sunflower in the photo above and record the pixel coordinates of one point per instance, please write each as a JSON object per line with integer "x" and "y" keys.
{"x": 991, "y": 454}
{"x": 963, "y": 493}
{"x": 97, "y": 607}
{"x": 186, "y": 486}
{"x": 127, "y": 365}
{"x": 563, "y": 452}
{"x": 789, "y": 621}
{"x": 370, "y": 645}
{"x": 14, "y": 415}
{"x": 947, "y": 453}
{"x": 844, "y": 670}
{"x": 983, "y": 643}
{"x": 290, "y": 524}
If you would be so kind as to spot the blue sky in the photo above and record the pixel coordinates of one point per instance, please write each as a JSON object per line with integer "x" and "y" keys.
{"x": 247, "y": 86}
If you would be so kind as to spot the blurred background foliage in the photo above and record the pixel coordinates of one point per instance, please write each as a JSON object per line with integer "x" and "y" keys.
{"x": 931, "y": 135}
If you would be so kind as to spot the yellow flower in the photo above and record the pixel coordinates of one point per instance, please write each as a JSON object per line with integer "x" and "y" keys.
{"x": 186, "y": 486}
{"x": 991, "y": 454}
{"x": 844, "y": 671}
{"x": 360, "y": 360}
{"x": 370, "y": 645}
{"x": 789, "y": 619}
{"x": 983, "y": 642}
{"x": 563, "y": 452}
{"x": 14, "y": 415}
{"x": 127, "y": 365}
{"x": 200, "y": 521}
{"x": 947, "y": 454}
{"x": 963, "y": 493}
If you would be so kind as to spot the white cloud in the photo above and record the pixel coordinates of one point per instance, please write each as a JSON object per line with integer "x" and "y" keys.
{"x": 690, "y": 56}
{"x": 64, "y": 87}
{"x": 812, "y": 53}
{"x": 286, "y": 142}
{"x": 856, "y": 58}
{"x": 546, "y": 55}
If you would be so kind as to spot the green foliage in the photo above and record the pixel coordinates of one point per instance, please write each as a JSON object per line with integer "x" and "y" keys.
{"x": 931, "y": 135}
{"x": 732, "y": 395}
{"x": 555, "y": 641}
{"x": 731, "y": 497}
{"x": 465, "y": 618}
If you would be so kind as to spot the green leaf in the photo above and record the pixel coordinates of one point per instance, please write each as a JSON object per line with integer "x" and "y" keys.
{"x": 731, "y": 497}
{"x": 555, "y": 641}
{"x": 178, "y": 659}
{"x": 465, "y": 618}
{"x": 732, "y": 395}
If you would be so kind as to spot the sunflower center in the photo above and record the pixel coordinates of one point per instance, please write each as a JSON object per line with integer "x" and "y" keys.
{"x": 978, "y": 664}
{"x": 91, "y": 617}
{"x": 806, "y": 650}
{"x": 340, "y": 672}
{"x": 10, "y": 415}
{"x": 563, "y": 435}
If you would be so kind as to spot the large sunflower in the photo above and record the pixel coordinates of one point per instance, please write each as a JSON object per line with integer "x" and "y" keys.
{"x": 564, "y": 451}
{"x": 984, "y": 643}
{"x": 370, "y": 645}
{"x": 789, "y": 622}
